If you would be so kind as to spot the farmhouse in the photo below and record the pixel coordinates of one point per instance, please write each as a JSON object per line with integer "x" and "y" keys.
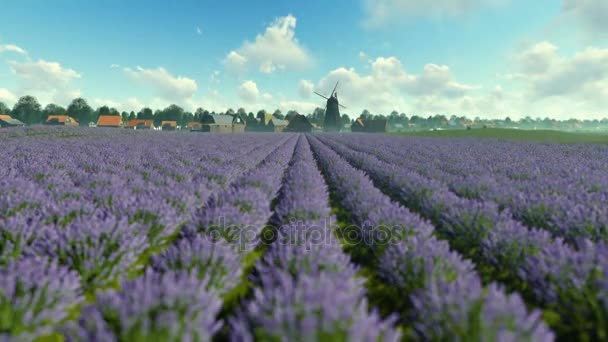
{"x": 194, "y": 126}
{"x": 168, "y": 125}
{"x": 277, "y": 125}
{"x": 221, "y": 123}
{"x": 299, "y": 123}
{"x": 109, "y": 121}
{"x": 369, "y": 126}
{"x": 61, "y": 120}
{"x": 139, "y": 124}
{"x": 7, "y": 121}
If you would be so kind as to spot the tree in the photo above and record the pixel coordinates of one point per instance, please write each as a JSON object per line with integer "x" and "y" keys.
{"x": 52, "y": 109}
{"x": 4, "y": 109}
{"x": 290, "y": 115}
{"x": 103, "y": 110}
{"x": 173, "y": 113}
{"x": 132, "y": 116}
{"x": 114, "y": 112}
{"x": 80, "y": 110}
{"x": 28, "y": 110}
{"x": 145, "y": 114}
{"x": 125, "y": 116}
{"x": 318, "y": 116}
{"x": 365, "y": 114}
{"x": 345, "y": 119}
{"x": 278, "y": 114}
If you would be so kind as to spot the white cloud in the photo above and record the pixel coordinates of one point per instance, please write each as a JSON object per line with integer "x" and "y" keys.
{"x": 248, "y": 91}
{"x": 7, "y": 97}
{"x": 47, "y": 81}
{"x": 383, "y": 12}
{"x": 167, "y": 86}
{"x": 276, "y": 48}
{"x": 298, "y": 106}
{"x": 12, "y": 48}
{"x": 133, "y": 104}
{"x": 389, "y": 87}
{"x": 199, "y": 31}
{"x": 584, "y": 75}
{"x": 235, "y": 63}
{"x": 267, "y": 97}
{"x": 305, "y": 88}
{"x": 43, "y": 75}
{"x": 114, "y": 66}
{"x": 362, "y": 56}
{"x": 590, "y": 14}
{"x": 215, "y": 77}
{"x": 97, "y": 102}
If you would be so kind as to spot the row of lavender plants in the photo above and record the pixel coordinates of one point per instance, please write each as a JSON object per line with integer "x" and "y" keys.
{"x": 82, "y": 215}
{"x": 565, "y": 281}
{"x": 305, "y": 286}
{"x": 438, "y": 293}
{"x": 560, "y": 188}
{"x": 181, "y": 294}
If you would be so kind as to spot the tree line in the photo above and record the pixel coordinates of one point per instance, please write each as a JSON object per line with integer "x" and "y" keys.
{"x": 29, "y": 111}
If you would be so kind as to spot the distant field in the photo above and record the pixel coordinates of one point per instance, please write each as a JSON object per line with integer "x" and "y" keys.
{"x": 548, "y": 136}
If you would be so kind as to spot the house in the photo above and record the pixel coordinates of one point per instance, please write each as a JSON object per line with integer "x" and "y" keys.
{"x": 109, "y": 121}
{"x": 277, "y": 125}
{"x": 369, "y": 126}
{"x": 168, "y": 125}
{"x": 299, "y": 123}
{"x": 221, "y": 123}
{"x": 139, "y": 124}
{"x": 61, "y": 120}
{"x": 8, "y": 121}
{"x": 194, "y": 126}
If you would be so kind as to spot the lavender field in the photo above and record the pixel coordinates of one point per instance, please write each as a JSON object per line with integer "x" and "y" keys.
{"x": 115, "y": 235}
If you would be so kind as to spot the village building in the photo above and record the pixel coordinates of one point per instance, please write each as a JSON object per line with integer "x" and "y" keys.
{"x": 139, "y": 124}
{"x": 277, "y": 125}
{"x": 109, "y": 121}
{"x": 194, "y": 126}
{"x": 61, "y": 120}
{"x": 222, "y": 123}
{"x": 299, "y": 123}
{"x": 8, "y": 121}
{"x": 369, "y": 126}
{"x": 168, "y": 125}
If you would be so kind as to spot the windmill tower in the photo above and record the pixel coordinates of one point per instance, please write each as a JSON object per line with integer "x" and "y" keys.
{"x": 332, "y": 122}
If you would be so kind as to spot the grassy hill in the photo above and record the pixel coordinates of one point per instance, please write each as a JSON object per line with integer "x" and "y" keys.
{"x": 547, "y": 136}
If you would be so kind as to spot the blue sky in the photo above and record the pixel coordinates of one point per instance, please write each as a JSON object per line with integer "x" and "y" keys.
{"x": 489, "y": 58}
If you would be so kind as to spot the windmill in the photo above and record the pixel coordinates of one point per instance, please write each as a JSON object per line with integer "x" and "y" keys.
{"x": 332, "y": 122}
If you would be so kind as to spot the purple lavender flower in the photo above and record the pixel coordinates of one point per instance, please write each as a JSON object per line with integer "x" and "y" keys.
{"x": 101, "y": 249}
{"x": 170, "y": 306}
{"x": 35, "y": 295}
{"x": 322, "y": 306}
{"x": 217, "y": 262}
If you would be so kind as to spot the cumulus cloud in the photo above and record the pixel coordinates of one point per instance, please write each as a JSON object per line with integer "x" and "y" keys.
{"x": 48, "y": 81}
{"x": 7, "y": 97}
{"x": 248, "y": 91}
{"x": 12, "y": 48}
{"x": 167, "y": 86}
{"x": 305, "y": 88}
{"x": 276, "y": 48}
{"x": 388, "y": 86}
{"x": 549, "y": 74}
{"x": 43, "y": 75}
{"x": 235, "y": 63}
{"x": 133, "y": 104}
{"x": 590, "y": 14}
{"x": 299, "y": 106}
{"x": 382, "y": 12}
